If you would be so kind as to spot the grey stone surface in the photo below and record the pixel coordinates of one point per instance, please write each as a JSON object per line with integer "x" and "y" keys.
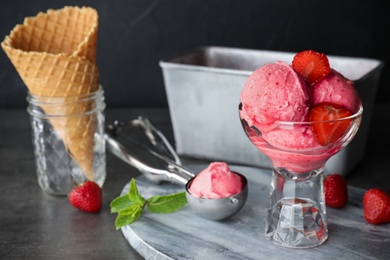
{"x": 35, "y": 225}
{"x": 183, "y": 235}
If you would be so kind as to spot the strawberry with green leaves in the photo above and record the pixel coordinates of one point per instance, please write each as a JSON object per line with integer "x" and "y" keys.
{"x": 329, "y": 125}
{"x": 311, "y": 65}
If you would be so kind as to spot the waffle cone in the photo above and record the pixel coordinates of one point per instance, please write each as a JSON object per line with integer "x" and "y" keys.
{"x": 54, "y": 53}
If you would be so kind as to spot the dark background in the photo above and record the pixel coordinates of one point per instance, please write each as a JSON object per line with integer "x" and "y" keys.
{"x": 135, "y": 34}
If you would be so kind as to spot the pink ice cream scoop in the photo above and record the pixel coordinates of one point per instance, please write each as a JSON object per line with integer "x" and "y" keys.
{"x": 217, "y": 193}
{"x": 216, "y": 181}
{"x": 274, "y": 92}
{"x": 335, "y": 88}
{"x": 293, "y": 138}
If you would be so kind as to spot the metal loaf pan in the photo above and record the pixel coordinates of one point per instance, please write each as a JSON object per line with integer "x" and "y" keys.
{"x": 203, "y": 87}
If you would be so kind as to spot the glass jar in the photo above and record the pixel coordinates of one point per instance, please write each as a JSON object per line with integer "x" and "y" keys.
{"x": 68, "y": 140}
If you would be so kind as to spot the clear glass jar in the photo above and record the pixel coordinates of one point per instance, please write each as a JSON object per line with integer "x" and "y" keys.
{"x": 68, "y": 140}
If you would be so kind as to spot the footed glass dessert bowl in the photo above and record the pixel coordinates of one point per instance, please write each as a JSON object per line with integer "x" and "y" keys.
{"x": 297, "y": 211}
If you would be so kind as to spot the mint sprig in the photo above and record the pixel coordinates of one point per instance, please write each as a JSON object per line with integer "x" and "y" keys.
{"x": 130, "y": 206}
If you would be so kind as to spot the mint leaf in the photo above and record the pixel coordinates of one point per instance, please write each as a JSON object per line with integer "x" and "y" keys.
{"x": 120, "y": 203}
{"x": 134, "y": 195}
{"x": 130, "y": 206}
{"x": 128, "y": 216}
{"x": 167, "y": 203}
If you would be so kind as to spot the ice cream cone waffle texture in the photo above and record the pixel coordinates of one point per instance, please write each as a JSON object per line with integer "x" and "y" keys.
{"x": 55, "y": 53}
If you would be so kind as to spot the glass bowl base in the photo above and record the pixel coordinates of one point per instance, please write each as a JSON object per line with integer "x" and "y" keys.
{"x": 296, "y": 223}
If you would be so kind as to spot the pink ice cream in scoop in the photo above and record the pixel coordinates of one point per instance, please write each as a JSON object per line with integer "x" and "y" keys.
{"x": 274, "y": 92}
{"x": 335, "y": 88}
{"x": 216, "y": 181}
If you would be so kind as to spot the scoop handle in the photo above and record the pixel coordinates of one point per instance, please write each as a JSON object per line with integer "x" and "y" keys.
{"x": 157, "y": 138}
{"x": 154, "y": 166}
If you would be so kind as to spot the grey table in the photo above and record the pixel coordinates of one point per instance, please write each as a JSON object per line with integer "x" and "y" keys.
{"x": 35, "y": 225}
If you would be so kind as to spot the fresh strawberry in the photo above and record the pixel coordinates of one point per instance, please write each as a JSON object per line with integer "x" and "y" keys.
{"x": 376, "y": 206}
{"x": 327, "y": 132}
{"x": 86, "y": 197}
{"x": 311, "y": 65}
{"x": 336, "y": 190}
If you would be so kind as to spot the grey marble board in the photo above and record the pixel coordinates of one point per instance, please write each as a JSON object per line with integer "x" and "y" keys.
{"x": 184, "y": 235}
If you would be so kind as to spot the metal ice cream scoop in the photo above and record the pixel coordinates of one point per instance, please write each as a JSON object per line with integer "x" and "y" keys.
{"x": 159, "y": 163}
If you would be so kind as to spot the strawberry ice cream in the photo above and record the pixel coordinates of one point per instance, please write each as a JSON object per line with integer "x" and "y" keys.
{"x": 274, "y": 92}
{"x": 277, "y": 112}
{"x": 216, "y": 181}
{"x": 335, "y": 88}
{"x": 297, "y": 138}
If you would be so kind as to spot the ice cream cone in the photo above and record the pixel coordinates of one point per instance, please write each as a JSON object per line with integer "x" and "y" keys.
{"x": 54, "y": 53}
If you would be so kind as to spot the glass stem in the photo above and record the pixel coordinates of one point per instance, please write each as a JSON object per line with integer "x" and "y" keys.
{"x": 297, "y": 211}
